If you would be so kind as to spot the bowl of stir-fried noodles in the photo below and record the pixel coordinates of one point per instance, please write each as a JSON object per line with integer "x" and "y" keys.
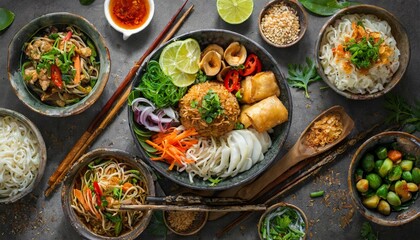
{"x": 97, "y": 185}
{"x": 58, "y": 64}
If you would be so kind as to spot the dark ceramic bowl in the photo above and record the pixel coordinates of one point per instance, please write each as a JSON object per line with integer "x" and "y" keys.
{"x": 79, "y": 167}
{"x": 15, "y": 55}
{"x": 278, "y": 136}
{"x": 42, "y": 154}
{"x": 198, "y": 224}
{"x": 276, "y": 206}
{"x": 409, "y": 144}
{"x": 300, "y": 12}
{"x": 398, "y": 32}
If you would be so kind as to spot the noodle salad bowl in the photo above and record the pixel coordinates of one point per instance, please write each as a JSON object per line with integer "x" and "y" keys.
{"x": 23, "y": 156}
{"x": 58, "y": 64}
{"x": 205, "y": 178}
{"x": 362, "y": 52}
{"x": 94, "y": 188}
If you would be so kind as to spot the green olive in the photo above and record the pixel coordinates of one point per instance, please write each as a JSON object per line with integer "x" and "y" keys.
{"x": 406, "y": 198}
{"x": 406, "y": 175}
{"x": 384, "y": 207}
{"x": 412, "y": 187}
{"x": 381, "y": 152}
{"x": 371, "y": 202}
{"x": 386, "y": 167}
{"x": 415, "y": 173}
{"x": 395, "y": 173}
{"x": 393, "y": 199}
{"x": 382, "y": 191}
{"x": 362, "y": 185}
{"x": 378, "y": 165}
{"x": 406, "y": 165}
{"x": 401, "y": 189}
{"x": 358, "y": 174}
{"x": 368, "y": 162}
{"x": 375, "y": 180}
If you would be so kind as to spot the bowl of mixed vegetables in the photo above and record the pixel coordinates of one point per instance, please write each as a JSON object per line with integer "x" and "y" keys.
{"x": 283, "y": 221}
{"x": 384, "y": 178}
{"x": 58, "y": 64}
{"x": 210, "y": 109}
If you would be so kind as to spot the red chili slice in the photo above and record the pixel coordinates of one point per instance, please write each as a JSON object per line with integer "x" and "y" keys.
{"x": 232, "y": 81}
{"x": 56, "y": 76}
{"x": 68, "y": 36}
{"x": 98, "y": 193}
{"x": 252, "y": 65}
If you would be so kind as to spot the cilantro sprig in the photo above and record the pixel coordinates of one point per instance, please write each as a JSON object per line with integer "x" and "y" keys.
{"x": 402, "y": 113}
{"x": 367, "y": 232}
{"x": 364, "y": 53}
{"x": 301, "y": 76}
{"x": 211, "y": 107}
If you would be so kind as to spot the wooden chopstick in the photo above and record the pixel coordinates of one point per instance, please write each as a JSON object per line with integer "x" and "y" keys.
{"x": 106, "y": 116}
{"x": 195, "y": 208}
{"x": 326, "y": 158}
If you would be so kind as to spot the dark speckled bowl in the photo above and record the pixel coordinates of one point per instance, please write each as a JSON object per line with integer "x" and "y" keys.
{"x": 398, "y": 32}
{"x": 409, "y": 144}
{"x": 16, "y": 51}
{"x": 278, "y": 136}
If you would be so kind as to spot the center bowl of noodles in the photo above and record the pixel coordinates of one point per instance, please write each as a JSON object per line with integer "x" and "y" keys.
{"x": 276, "y": 135}
{"x": 96, "y": 185}
{"x": 23, "y": 156}
{"x": 58, "y": 64}
{"x": 343, "y": 67}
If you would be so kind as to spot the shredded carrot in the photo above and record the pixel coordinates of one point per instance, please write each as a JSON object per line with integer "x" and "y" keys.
{"x": 172, "y": 146}
{"x": 79, "y": 196}
{"x": 76, "y": 60}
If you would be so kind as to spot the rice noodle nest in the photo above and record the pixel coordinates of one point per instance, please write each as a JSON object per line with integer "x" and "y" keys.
{"x": 191, "y": 118}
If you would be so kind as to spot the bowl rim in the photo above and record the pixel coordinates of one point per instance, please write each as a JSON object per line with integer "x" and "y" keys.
{"x": 283, "y": 204}
{"x": 43, "y": 154}
{"x": 128, "y": 32}
{"x": 20, "y": 88}
{"x": 357, "y": 156}
{"x": 303, "y": 21}
{"x": 353, "y": 10}
{"x": 286, "y": 130}
{"x": 82, "y": 162}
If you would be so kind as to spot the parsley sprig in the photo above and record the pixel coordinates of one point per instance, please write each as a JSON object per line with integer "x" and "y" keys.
{"x": 367, "y": 232}
{"x": 300, "y": 76}
{"x": 402, "y": 113}
{"x": 364, "y": 53}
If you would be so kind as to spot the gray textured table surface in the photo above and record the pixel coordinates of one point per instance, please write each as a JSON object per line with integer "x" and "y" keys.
{"x": 36, "y": 217}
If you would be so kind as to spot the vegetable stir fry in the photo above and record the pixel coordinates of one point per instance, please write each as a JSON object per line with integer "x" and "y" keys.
{"x": 61, "y": 67}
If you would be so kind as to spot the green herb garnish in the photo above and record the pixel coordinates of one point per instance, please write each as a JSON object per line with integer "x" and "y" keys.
{"x": 283, "y": 223}
{"x": 201, "y": 77}
{"x": 6, "y": 18}
{"x": 239, "y": 126}
{"x": 194, "y": 103}
{"x": 363, "y": 53}
{"x": 86, "y": 2}
{"x": 367, "y": 232}
{"x": 300, "y": 76}
{"x": 210, "y": 107}
{"x": 238, "y": 95}
{"x": 402, "y": 113}
{"x": 214, "y": 181}
{"x": 325, "y": 7}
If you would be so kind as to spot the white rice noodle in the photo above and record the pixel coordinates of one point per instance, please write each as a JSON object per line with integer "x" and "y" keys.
{"x": 19, "y": 156}
{"x": 355, "y": 81}
{"x": 226, "y": 156}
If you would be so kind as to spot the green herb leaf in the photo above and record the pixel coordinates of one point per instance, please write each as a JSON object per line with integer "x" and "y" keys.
{"x": 402, "y": 113}
{"x": 325, "y": 7}
{"x": 300, "y": 76}
{"x": 86, "y": 2}
{"x": 363, "y": 53}
{"x": 157, "y": 226}
{"x": 367, "y": 232}
{"x": 210, "y": 107}
{"x": 6, "y": 18}
{"x": 201, "y": 77}
{"x": 214, "y": 181}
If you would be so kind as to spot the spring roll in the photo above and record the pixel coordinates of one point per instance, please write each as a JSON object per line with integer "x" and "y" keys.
{"x": 259, "y": 86}
{"x": 264, "y": 114}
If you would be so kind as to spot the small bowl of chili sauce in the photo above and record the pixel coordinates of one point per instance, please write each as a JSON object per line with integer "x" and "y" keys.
{"x": 129, "y": 16}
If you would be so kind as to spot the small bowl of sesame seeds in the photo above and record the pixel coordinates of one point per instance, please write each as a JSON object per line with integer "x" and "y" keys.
{"x": 282, "y": 23}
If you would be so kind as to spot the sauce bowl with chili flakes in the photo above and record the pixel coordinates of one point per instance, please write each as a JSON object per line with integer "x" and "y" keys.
{"x": 282, "y": 23}
{"x": 129, "y": 17}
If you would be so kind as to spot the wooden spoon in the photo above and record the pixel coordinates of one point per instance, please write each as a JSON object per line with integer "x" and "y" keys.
{"x": 297, "y": 153}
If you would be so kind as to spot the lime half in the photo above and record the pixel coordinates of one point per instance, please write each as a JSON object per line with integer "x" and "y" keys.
{"x": 235, "y": 11}
{"x": 182, "y": 79}
{"x": 188, "y": 56}
{"x": 167, "y": 59}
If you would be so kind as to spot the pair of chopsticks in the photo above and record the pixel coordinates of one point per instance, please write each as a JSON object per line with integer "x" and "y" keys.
{"x": 194, "y": 208}
{"x": 267, "y": 196}
{"x": 110, "y": 110}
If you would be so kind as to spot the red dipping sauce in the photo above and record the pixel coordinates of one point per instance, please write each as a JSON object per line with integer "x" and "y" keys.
{"x": 129, "y": 14}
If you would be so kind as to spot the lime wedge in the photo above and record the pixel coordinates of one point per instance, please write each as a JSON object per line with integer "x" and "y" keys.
{"x": 167, "y": 59}
{"x": 235, "y": 11}
{"x": 188, "y": 56}
{"x": 182, "y": 79}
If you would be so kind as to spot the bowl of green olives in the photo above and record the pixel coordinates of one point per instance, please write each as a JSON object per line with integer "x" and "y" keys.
{"x": 384, "y": 178}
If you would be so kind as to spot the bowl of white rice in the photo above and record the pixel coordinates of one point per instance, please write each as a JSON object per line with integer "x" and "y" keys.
{"x": 362, "y": 52}
{"x": 22, "y": 156}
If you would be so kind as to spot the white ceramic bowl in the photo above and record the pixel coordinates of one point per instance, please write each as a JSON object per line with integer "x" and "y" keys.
{"x": 128, "y": 32}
